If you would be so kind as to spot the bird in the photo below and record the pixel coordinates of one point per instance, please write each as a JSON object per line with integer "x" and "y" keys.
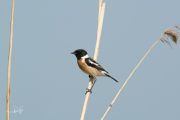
{"x": 90, "y": 66}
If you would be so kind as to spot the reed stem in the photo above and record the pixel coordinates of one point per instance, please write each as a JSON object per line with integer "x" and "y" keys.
{"x": 130, "y": 76}
{"x": 99, "y": 30}
{"x": 9, "y": 62}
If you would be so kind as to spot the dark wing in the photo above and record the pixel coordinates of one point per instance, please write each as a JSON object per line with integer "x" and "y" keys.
{"x": 94, "y": 64}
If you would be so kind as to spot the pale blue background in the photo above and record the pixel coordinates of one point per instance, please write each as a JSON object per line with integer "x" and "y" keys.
{"x": 46, "y": 80}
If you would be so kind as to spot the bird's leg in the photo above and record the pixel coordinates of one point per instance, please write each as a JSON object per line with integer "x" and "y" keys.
{"x": 89, "y": 90}
{"x": 93, "y": 83}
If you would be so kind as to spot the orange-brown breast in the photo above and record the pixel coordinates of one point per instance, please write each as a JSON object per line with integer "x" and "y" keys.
{"x": 88, "y": 70}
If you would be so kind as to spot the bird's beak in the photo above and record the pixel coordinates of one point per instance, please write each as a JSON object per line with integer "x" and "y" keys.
{"x": 72, "y": 53}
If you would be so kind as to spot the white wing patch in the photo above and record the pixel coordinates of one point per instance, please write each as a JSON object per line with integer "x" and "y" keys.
{"x": 93, "y": 63}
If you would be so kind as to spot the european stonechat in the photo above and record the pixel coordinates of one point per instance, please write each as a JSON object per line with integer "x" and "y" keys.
{"x": 90, "y": 66}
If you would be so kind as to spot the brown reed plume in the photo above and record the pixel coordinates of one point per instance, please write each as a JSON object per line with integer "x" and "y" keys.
{"x": 172, "y": 34}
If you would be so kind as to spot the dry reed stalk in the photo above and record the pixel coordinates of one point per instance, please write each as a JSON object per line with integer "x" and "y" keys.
{"x": 99, "y": 12}
{"x": 170, "y": 33}
{"x": 99, "y": 30}
{"x": 9, "y": 62}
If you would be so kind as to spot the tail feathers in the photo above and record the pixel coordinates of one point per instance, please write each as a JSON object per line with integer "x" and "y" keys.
{"x": 111, "y": 77}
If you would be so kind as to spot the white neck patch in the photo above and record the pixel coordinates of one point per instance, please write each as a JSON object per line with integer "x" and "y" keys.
{"x": 84, "y": 57}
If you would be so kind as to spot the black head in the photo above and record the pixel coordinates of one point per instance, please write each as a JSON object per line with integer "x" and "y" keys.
{"x": 79, "y": 53}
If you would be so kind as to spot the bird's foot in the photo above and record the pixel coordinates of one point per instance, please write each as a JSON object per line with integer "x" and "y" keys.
{"x": 88, "y": 90}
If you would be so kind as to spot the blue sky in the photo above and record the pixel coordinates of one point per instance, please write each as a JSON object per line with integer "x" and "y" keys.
{"x": 46, "y": 80}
